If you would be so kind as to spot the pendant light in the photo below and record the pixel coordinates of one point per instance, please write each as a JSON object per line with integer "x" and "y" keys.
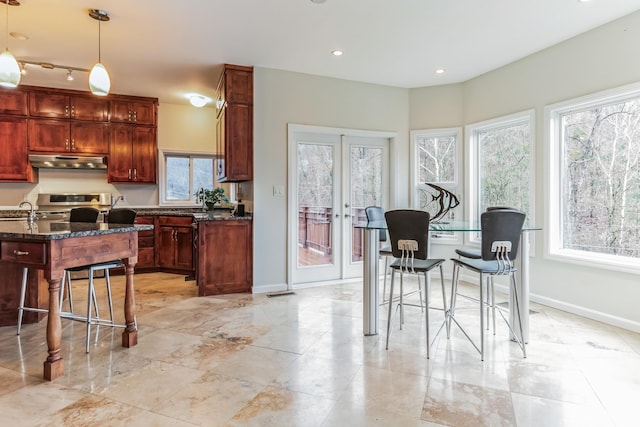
{"x": 99, "y": 81}
{"x": 9, "y": 68}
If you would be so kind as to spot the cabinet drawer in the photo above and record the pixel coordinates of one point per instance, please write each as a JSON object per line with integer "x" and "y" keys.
{"x": 23, "y": 252}
{"x": 146, "y": 241}
{"x": 184, "y": 221}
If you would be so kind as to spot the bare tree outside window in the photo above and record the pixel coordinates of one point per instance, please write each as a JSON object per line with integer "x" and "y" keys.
{"x": 503, "y": 154}
{"x": 601, "y": 179}
{"x": 436, "y": 159}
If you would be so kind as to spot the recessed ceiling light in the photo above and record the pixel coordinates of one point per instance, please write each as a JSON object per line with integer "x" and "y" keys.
{"x": 318, "y": 1}
{"x": 337, "y": 52}
{"x": 440, "y": 71}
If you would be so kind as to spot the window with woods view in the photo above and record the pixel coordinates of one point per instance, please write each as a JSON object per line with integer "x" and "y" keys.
{"x": 184, "y": 174}
{"x": 436, "y": 161}
{"x": 595, "y": 152}
{"x": 500, "y": 170}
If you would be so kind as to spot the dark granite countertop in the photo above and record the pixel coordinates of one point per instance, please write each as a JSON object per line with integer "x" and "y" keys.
{"x": 197, "y": 213}
{"x": 52, "y": 230}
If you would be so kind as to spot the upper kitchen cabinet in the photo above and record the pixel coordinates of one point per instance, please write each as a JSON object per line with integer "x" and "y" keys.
{"x": 13, "y": 101}
{"x": 68, "y": 136}
{"x": 64, "y": 105}
{"x": 14, "y": 163}
{"x": 139, "y": 111}
{"x": 132, "y": 154}
{"x": 234, "y": 127}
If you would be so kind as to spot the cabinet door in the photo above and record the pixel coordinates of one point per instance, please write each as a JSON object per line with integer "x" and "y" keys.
{"x": 238, "y": 138}
{"x": 120, "y": 154}
{"x": 184, "y": 248}
{"x": 144, "y": 113}
{"x": 120, "y": 111}
{"x": 144, "y": 155}
{"x": 166, "y": 247}
{"x": 89, "y": 138}
{"x": 89, "y": 108}
{"x": 138, "y": 112}
{"x": 48, "y": 104}
{"x": 238, "y": 82}
{"x": 14, "y": 162}
{"x": 220, "y": 146}
{"x": 225, "y": 257}
{"x": 49, "y": 136}
{"x": 13, "y": 101}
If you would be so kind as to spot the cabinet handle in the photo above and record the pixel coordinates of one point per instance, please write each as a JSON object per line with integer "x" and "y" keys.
{"x": 66, "y": 111}
{"x": 135, "y": 116}
{"x": 73, "y": 111}
{"x": 73, "y": 144}
{"x": 129, "y": 173}
{"x": 66, "y": 144}
{"x": 19, "y": 253}
{"x": 135, "y": 174}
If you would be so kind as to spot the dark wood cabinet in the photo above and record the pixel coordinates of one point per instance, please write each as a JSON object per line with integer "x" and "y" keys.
{"x": 174, "y": 238}
{"x": 224, "y": 257}
{"x": 132, "y": 154}
{"x": 13, "y": 101}
{"x": 64, "y": 136}
{"x": 234, "y": 127}
{"x": 146, "y": 244}
{"x": 136, "y": 112}
{"x": 14, "y": 161}
{"x": 55, "y": 104}
{"x": 35, "y": 295}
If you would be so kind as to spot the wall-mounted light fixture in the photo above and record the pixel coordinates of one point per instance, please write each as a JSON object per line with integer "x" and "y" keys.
{"x": 99, "y": 81}
{"x": 9, "y": 68}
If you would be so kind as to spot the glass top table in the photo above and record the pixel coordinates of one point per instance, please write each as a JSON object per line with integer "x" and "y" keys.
{"x": 371, "y": 271}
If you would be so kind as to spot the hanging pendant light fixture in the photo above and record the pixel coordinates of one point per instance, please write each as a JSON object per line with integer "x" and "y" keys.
{"x": 99, "y": 81}
{"x": 9, "y": 68}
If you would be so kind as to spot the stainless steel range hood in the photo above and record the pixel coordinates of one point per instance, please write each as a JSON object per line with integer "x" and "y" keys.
{"x": 67, "y": 162}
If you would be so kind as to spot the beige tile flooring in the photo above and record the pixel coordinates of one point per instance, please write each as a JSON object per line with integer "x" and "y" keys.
{"x": 301, "y": 360}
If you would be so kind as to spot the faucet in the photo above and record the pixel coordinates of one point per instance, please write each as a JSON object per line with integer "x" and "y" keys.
{"x": 32, "y": 213}
{"x": 115, "y": 201}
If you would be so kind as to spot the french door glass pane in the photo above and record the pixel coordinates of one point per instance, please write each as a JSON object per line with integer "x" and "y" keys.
{"x": 315, "y": 204}
{"x": 366, "y": 190}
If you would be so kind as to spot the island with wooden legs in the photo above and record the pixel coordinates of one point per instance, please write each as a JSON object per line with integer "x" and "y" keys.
{"x": 53, "y": 246}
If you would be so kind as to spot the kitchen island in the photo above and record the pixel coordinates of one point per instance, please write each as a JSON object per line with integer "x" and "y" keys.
{"x": 53, "y": 246}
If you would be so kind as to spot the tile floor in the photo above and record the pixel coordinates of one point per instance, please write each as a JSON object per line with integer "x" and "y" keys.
{"x": 301, "y": 360}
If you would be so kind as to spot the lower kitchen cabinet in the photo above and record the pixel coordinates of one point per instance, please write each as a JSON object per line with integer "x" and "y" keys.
{"x": 174, "y": 239}
{"x": 224, "y": 257}
{"x": 146, "y": 244}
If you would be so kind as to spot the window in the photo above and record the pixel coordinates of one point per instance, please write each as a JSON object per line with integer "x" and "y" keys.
{"x": 436, "y": 157}
{"x": 594, "y": 152}
{"x": 500, "y": 165}
{"x": 182, "y": 174}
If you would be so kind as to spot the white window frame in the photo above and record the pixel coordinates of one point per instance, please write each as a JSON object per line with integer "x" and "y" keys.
{"x": 454, "y": 186}
{"x": 553, "y": 181}
{"x": 472, "y": 192}
{"x": 163, "y": 176}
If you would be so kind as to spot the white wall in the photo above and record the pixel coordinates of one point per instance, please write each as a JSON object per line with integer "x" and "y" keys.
{"x": 283, "y": 97}
{"x": 603, "y": 58}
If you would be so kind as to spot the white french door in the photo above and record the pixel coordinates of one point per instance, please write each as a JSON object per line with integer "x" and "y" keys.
{"x": 334, "y": 176}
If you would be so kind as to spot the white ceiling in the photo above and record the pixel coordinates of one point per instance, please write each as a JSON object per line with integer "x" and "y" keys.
{"x": 164, "y": 48}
